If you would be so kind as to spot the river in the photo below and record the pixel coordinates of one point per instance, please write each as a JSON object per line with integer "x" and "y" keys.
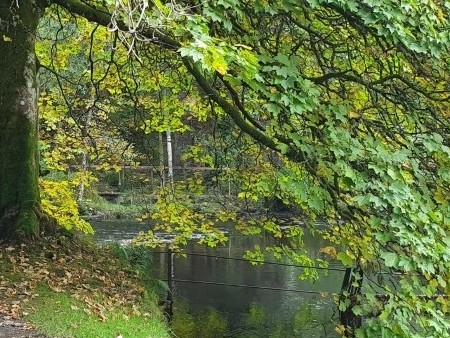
{"x": 249, "y": 308}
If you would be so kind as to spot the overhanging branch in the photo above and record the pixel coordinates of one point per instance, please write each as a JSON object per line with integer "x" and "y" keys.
{"x": 103, "y": 18}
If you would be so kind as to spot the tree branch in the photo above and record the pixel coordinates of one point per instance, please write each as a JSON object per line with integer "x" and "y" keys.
{"x": 103, "y": 18}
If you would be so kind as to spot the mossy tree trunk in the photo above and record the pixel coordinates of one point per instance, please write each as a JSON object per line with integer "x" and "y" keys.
{"x": 19, "y": 165}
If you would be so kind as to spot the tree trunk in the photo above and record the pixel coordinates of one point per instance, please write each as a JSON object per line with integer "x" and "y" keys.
{"x": 84, "y": 157}
{"x": 161, "y": 160}
{"x": 169, "y": 157}
{"x": 19, "y": 165}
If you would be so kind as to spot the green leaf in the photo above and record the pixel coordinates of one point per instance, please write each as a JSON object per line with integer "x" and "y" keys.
{"x": 391, "y": 259}
{"x": 345, "y": 259}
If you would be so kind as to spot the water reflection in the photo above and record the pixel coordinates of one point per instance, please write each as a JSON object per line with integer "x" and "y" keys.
{"x": 256, "y": 322}
{"x": 206, "y": 311}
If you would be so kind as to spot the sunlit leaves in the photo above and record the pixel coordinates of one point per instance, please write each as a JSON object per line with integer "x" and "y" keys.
{"x": 174, "y": 215}
{"x": 58, "y": 201}
{"x": 255, "y": 256}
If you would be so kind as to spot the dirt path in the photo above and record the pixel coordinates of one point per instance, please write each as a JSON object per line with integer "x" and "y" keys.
{"x": 10, "y": 328}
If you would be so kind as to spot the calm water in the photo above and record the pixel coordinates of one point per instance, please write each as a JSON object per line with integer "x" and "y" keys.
{"x": 214, "y": 311}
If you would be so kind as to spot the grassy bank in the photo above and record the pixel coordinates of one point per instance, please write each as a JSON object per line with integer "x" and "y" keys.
{"x": 99, "y": 208}
{"x": 125, "y": 207}
{"x": 70, "y": 289}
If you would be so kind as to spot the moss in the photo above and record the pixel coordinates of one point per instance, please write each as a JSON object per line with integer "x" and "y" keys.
{"x": 19, "y": 194}
{"x": 28, "y": 225}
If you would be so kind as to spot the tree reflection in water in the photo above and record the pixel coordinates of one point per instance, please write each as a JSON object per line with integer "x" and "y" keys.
{"x": 307, "y": 322}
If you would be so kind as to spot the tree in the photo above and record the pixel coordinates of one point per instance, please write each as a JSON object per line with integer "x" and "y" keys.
{"x": 19, "y": 195}
{"x": 354, "y": 96}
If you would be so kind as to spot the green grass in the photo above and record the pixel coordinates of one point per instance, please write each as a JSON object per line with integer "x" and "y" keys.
{"x": 71, "y": 288}
{"x": 110, "y": 210}
{"x": 59, "y": 315}
{"x": 132, "y": 204}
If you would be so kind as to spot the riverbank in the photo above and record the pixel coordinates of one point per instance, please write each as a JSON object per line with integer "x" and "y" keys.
{"x": 132, "y": 206}
{"x": 68, "y": 288}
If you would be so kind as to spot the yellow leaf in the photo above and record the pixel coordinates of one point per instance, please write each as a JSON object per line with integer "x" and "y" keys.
{"x": 220, "y": 67}
{"x": 330, "y": 251}
{"x": 6, "y": 38}
{"x": 353, "y": 115}
{"x": 56, "y": 289}
{"x": 243, "y": 46}
{"x": 340, "y": 329}
{"x": 324, "y": 294}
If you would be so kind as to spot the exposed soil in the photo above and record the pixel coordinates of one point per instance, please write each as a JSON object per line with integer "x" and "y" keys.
{"x": 10, "y": 328}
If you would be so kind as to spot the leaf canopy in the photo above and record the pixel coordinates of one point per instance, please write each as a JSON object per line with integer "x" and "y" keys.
{"x": 353, "y": 95}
